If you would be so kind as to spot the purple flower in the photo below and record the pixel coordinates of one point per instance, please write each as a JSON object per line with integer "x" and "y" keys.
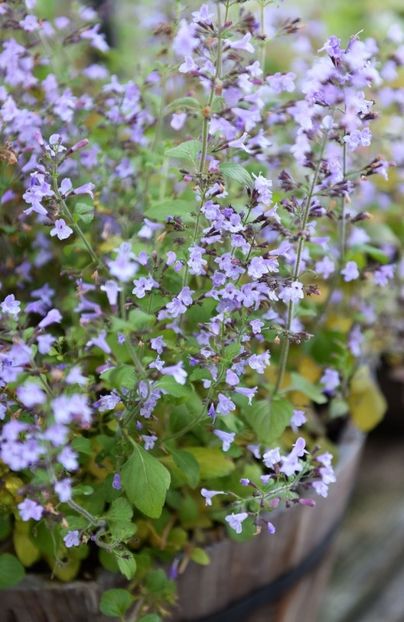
{"x": 271, "y": 457}
{"x": 260, "y": 266}
{"x": 291, "y": 463}
{"x": 333, "y": 48}
{"x": 63, "y": 489}
{"x": 85, "y": 189}
{"x": 231, "y": 378}
{"x": 176, "y": 371}
{"x": 100, "y": 342}
{"x": 52, "y": 317}
{"x": 10, "y": 305}
{"x": 107, "y": 402}
{"x": 227, "y": 438}
{"x": 143, "y": 285}
{"x": 185, "y": 41}
{"x": 242, "y": 44}
{"x": 325, "y": 267}
{"x": 358, "y": 138}
{"x": 256, "y": 326}
{"x": 177, "y": 120}
{"x": 123, "y": 267}
{"x": 30, "y": 509}
{"x": 224, "y": 405}
{"x": 75, "y": 376}
{"x": 350, "y": 272}
{"x": 68, "y": 459}
{"x": 292, "y": 293}
{"x": 149, "y": 441}
{"x": 247, "y": 392}
{"x": 30, "y": 394}
{"x": 383, "y": 275}
{"x": 158, "y": 344}
{"x": 281, "y": 82}
{"x": 116, "y": 482}
{"x": 96, "y": 39}
{"x": 45, "y": 343}
{"x": 66, "y": 186}
{"x": 271, "y": 529}
{"x": 235, "y": 521}
{"x": 38, "y": 189}
{"x": 72, "y": 538}
{"x": 355, "y": 341}
{"x": 196, "y": 263}
{"x": 209, "y": 494}
{"x": 298, "y": 419}
{"x": 61, "y": 230}
{"x": 203, "y": 16}
{"x": 330, "y": 380}
{"x": 259, "y": 362}
{"x": 111, "y": 288}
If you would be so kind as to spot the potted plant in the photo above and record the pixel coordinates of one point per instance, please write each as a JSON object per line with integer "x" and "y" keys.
{"x": 183, "y": 327}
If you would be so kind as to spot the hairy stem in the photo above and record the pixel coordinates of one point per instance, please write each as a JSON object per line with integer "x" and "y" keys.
{"x": 296, "y": 272}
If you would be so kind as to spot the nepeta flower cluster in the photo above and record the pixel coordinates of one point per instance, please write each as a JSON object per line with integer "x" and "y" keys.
{"x": 177, "y": 277}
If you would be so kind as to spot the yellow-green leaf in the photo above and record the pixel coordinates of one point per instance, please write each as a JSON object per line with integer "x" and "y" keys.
{"x": 212, "y": 462}
{"x": 367, "y": 404}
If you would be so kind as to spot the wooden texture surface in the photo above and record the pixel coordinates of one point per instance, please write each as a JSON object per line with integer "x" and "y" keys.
{"x": 236, "y": 570}
{"x": 367, "y": 584}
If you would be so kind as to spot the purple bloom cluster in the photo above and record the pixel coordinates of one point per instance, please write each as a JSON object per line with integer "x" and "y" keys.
{"x": 164, "y": 321}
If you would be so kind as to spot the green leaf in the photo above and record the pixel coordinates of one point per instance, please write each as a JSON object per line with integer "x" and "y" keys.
{"x": 83, "y": 212}
{"x": 150, "y": 617}
{"x": 5, "y": 526}
{"x": 126, "y": 564}
{"x": 236, "y": 172}
{"x": 302, "y": 385}
{"x": 338, "y": 407}
{"x": 11, "y": 571}
{"x": 212, "y": 462}
{"x": 82, "y": 445}
{"x": 185, "y": 151}
{"x": 186, "y": 462}
{"x": 184, "y": 102}
{"x": 120, "y": 376}
{"x": 161, "y": 210}
{"x": 200, "y": 556}
{"x": 145, "y": 481}
{"x": 120, "y": 510}
{"x": 116, "y": 602}
{"x": 269, "y": 420}
{"x": 172, "y": 387}
{"x": 122, "y": 530}
{"x": 375, "y": 253}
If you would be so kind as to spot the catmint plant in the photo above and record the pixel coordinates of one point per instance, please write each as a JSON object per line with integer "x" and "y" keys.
{"x": 185, "y": 281}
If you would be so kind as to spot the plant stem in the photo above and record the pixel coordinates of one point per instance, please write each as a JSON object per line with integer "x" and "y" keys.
{"x": 296, "y": 272}
{"x": 67, "y": 213}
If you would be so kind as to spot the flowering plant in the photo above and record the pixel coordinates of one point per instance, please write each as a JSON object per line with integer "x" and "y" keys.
{"x": 174, "y": 344}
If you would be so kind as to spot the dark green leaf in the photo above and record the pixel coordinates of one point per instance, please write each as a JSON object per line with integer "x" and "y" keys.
{"x": 11, "y": 571}
{"x": 116, "y": 602}
{"x": 188, "y": 465}
{"x": 127, "y": 564}
{"x": 145, "y": 481}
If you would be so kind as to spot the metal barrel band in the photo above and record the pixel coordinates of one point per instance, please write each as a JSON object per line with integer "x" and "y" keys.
{"x": 270, "y": 593}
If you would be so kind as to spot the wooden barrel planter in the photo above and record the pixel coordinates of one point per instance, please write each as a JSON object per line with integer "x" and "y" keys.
{"x": 277, "y": 578}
